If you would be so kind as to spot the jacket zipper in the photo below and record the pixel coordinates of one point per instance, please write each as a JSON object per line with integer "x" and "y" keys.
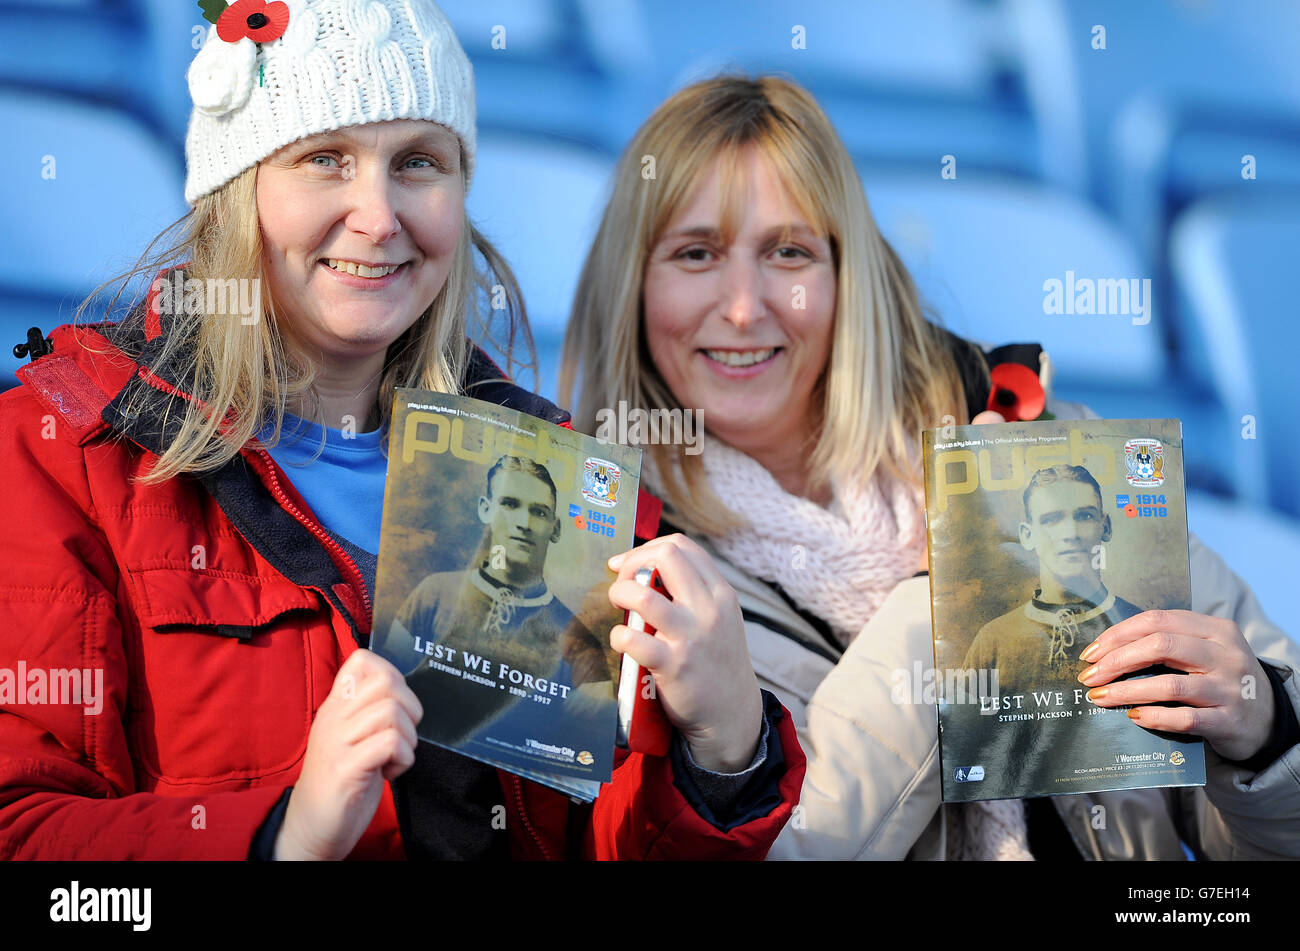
{"x": 330, "y": 544}
{"x": 357, "y": 580}
{"x": 518, "y": 786}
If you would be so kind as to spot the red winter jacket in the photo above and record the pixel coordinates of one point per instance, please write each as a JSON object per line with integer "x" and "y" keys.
{"x": 219, "y": 612}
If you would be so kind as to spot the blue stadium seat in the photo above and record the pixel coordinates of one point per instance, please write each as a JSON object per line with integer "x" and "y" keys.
{"x": 525, "y": 97}
{"x": 175, "y": 33}
{"x": 934, "y": 46}
{"x": 1167, "y": 156}
{"x": 87, "y": 189}
{"x": 534, "y": 72}
{"x": 1260, "y": 546}
{"x": 903, "y": 80}
{"x": 531, "y": 27}
{"x": 1232, "y": 258}
{"x": 981, "y": 250}
{"x": 90, "y": 49}
{"x": 539, "y": 201}
{"x": 1208, "y": 64}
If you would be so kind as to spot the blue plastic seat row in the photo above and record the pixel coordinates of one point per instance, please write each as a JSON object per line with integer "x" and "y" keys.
{"x": 87, "y": 188}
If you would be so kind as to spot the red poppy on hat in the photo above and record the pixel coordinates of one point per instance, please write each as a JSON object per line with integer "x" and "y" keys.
{"x": 260, "y": 21}
{"x": 1017, "y": 393}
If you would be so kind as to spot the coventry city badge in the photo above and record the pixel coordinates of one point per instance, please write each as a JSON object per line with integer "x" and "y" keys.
{"x": 600, "y": 482}
{"x": 1145, "y": 459}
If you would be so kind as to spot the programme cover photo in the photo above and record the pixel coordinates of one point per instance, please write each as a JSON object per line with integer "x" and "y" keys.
{"x": 1042, "y": 536}
{"x": 491, "y": 596}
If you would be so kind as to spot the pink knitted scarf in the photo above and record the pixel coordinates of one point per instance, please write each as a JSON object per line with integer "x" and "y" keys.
{"x": 838, "y": 563}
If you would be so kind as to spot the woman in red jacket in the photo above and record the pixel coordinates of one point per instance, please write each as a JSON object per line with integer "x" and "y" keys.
{"x": 209, "y": 610}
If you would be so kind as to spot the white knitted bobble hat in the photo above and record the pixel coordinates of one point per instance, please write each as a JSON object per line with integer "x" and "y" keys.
{"x": 337, "y": 63}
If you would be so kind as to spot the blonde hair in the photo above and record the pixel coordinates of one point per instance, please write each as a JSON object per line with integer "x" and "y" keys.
{"x": 247, "y": 368}
{"x": 890, "y": 372}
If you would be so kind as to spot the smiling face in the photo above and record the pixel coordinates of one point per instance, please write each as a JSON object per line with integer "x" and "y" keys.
{"x": 1066, "y": 523}
{"x": 388, "y": 194}
{"x": 739, "y": 325}
{"x": 519, "y": 511}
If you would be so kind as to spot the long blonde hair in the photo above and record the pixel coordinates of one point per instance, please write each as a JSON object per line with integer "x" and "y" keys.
{"x": 890, "y": 372}
{"x": 247, "y": 368}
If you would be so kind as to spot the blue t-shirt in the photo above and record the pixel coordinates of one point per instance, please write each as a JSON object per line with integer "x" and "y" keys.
{"x": 345, "y": 486}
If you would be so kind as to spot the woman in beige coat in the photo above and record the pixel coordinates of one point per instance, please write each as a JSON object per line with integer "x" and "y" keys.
{"x": 738, "y": 274}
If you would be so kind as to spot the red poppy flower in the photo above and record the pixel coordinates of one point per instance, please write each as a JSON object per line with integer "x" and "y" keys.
{"x": 1017, "y": 394}
{"x": 258, "y": 20}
